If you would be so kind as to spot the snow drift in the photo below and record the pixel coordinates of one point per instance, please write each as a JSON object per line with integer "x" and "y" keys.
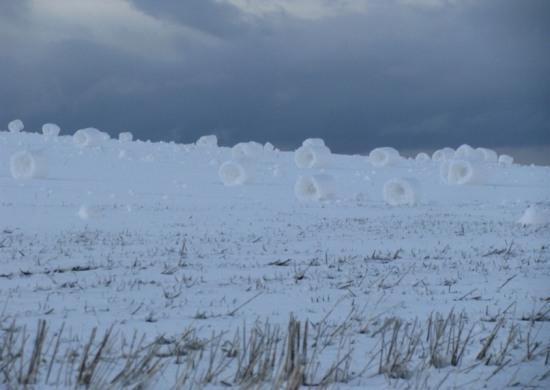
{"x": 383, "y": 157}
{"x": 50, "y": 129}
{"x": 315, "y": 187}
{"x": 252, "y": 150}
{"x": 313, "y": 154}
{"x": 88, "y": 138}
{"x": 29, "y": 165}
{"x": 404, "y": 191}
{"x": 460, "y": 172}
{"x": 15, "y": 126}
{"x": 238, "y": 171}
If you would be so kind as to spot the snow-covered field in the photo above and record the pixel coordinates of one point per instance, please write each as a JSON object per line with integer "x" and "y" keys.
{"x": 131, "y": 263}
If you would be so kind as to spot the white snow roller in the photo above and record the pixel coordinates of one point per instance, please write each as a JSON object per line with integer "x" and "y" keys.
{"x": 88, "y": 138}
{"x": 50, "y": 130}
{"x": 29, "y": 165}
{"x": 237, "y": 172}
{"x": 443, "y": 154}
{"x": 207, "y": 141}
{"x": 402, "y": 191}
{"x": 313, "y": 156}
{"x": 383, "y": 157}
{"x": 125, "y": 136}
{"x": 462, "y": 172}
{"x": 315, "y": 187}
{"x": 252, "y": 150}
{"x": 16, "y": 126}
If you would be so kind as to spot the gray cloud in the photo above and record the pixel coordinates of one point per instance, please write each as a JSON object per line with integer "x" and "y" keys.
{"x": 410, "y": 76}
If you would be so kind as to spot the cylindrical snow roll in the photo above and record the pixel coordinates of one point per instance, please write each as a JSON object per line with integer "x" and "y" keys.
{"x": 465, "y": 172}
{"x": 89, "y": 212}
{"x": 207, "y": 141}
{"x": 489, "y": 155}
{"x": 314, "y": 142}
{"x": 50, "y": 129}
{"x": 29, "y": 165}
{"x": 316, "y": 187}
{"x": 444, "y": 171}
{"x": 16, "y": 126}
{"x": 383, "y": 157}
{"x": 505, "y": 160}
{"x": 125, "y": 136}
{"x": 88, "y": 138}
{"x": 466, "y": 152}
{"x": 313, "y": 156}
{"x": 404, "y": 191}
{"x": 422, "y": 157}
{"x": 268, "y": 147}
{"x": 443, "y": 154}
{"x": 237, "y": 172}
{"x": 252, "y": 150}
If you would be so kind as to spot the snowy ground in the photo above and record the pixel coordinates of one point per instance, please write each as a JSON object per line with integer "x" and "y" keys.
{"x": 139, "y": 239}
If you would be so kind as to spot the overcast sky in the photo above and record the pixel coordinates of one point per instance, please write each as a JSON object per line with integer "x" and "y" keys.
{"x": 413, "y": 74}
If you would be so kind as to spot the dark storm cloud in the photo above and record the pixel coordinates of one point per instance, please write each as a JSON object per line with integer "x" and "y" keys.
{"x": 410, "y": 76}
{"x": 209, "y": 16}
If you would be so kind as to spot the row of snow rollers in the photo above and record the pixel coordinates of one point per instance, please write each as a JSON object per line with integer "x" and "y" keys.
{"x": 242, "y": 168}
{"x": 48, "y": 129}
{"x": 314, "y": 154}
{"x": 318, "y": 187}
{"x": 82, "y": 136}
{"x": 33, "y": 164}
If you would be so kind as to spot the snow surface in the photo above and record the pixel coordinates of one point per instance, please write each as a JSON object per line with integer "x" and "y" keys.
{"x": 145, "y": 238}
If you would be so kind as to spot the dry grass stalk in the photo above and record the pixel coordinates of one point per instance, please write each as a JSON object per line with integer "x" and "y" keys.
{"x": 265, "y": 356}
{"x": 87, "y": 368}
{"x": 256, "y": 360}
{"x": 32, "y": 373}
{"x": 489, "y": 340}
{"x": 396, "y": 355}
{"x": 446, "y": 344}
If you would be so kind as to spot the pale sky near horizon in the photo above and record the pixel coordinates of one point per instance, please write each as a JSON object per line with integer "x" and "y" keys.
{"x": 412, "y": 74}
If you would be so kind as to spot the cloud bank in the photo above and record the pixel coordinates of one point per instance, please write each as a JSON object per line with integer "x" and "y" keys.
{"x": 359, "y": 74}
